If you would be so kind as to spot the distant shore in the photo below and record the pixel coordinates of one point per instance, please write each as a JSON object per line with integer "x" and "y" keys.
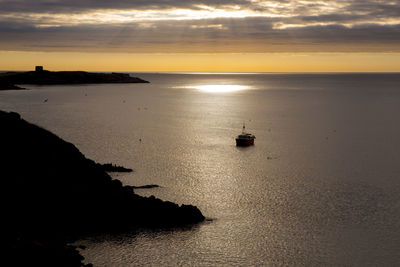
{"x": 10, "y": 80}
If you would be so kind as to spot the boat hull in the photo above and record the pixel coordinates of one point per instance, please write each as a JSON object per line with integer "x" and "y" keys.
{"x": 244, "y": 142}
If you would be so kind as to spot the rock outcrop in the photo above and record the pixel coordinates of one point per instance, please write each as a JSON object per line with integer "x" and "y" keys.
{"x": 109, "y": 167}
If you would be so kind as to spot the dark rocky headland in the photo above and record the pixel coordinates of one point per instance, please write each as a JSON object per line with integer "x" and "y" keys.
{"x": 44, "y": 77}
{"x": 9, "y": 86}
{"x": 52, "y": 195}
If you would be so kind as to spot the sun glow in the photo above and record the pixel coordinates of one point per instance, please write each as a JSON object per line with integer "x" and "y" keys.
{"x": 219, "y": 88}
{"x": 130, "y": 16}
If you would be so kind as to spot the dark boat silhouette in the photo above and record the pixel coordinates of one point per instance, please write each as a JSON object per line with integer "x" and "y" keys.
{"x": 245, "y": 139}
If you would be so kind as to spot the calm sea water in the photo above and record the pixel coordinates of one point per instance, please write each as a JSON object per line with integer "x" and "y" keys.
{"x": 321, "y": 186}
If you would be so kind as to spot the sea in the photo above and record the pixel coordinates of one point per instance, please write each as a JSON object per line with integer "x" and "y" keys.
{"x": 320, "y": 187}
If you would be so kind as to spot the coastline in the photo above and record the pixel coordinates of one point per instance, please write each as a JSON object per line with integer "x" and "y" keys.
{"x": 7, "y": 86}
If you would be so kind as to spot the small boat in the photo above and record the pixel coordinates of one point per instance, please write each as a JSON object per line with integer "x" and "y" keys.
{"x": 245, "y": 139}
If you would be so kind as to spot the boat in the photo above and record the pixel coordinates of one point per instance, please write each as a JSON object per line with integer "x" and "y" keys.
{"x": 245, "y": 139}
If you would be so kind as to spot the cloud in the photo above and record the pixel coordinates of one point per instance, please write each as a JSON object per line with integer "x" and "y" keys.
{"x": 62, "y": 6}
{"x": 200, "y": 26}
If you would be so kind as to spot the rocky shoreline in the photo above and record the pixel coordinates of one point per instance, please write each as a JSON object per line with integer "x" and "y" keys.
{"x": 8, "y": 86}
{"x": 53, "y": 195}
{"x": 109, "y": 167}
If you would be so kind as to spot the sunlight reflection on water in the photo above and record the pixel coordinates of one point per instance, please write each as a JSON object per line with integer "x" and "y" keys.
{"x": 219, "y": 88}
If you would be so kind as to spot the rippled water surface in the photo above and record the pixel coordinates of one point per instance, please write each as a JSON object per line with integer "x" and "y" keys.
{"x": 320, "y": 187}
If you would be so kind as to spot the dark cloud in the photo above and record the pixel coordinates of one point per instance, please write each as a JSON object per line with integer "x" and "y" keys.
{"x": 62, "y": 6}
{"x": 216, "y": 35}
{"x": 375, "y": 8}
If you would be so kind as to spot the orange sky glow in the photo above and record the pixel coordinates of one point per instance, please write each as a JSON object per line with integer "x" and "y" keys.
{"x": 265, "y": 62}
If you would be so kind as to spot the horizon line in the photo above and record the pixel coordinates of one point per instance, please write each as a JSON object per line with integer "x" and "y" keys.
{"x": 221, "y": 73}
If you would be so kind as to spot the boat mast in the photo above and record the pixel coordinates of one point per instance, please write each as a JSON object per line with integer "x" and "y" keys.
{"x": 244, "y": 127}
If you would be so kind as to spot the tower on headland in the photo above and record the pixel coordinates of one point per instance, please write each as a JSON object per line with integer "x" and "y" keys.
{"x": 39, "y": 68}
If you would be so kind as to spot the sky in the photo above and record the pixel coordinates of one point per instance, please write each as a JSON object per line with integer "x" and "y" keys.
{"x": 201, "y": 35}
